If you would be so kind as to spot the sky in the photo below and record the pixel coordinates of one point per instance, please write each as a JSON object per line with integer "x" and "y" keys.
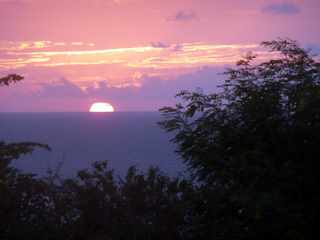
{"x": 135, "y": 54}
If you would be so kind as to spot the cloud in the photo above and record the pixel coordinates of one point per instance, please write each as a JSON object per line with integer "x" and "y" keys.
{"x": 160, "y": 45}
{"x": 60, "y": 89}
{"x": 314, "y": 48}
{"x": 183, "y": 16}
{"x": 282, "y": 8}
{"x": 63, "y": 95}
{"x": 157, "y": 55}
{"x": 172, "y": 47}
{"x": 156, "y": 92}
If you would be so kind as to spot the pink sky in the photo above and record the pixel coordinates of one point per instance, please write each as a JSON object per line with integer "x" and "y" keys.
{"x": 134, "y": 54}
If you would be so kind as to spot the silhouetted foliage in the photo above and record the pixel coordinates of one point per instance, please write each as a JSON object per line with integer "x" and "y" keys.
{"x": 21, "y": 195}
{"x": 254, "y": 146}
{"x": 9, "y": 79}
{"x": 141, "y": 206}
{"x": 95, "y": 205}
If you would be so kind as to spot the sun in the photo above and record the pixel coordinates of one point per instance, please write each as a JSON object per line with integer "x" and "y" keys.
{"x": 101, "y": 107}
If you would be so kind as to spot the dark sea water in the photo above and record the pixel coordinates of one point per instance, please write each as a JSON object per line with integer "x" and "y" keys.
{"x": 78, "y": 139}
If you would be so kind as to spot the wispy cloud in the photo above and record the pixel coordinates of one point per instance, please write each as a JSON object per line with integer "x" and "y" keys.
{"x": 40, "y": 45}
{"x": 285, "y": 8}
{"x": 314, "y": 48}
{"x": 18, "y": 46}
{"x": 183, "y": 16}
{"x": 160, "y": 45}
{"x": 124, "y": 68}
{"x": 157, "y": 55}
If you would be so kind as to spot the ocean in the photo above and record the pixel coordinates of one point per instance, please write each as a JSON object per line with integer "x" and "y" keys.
{"x": 78, "y": 139}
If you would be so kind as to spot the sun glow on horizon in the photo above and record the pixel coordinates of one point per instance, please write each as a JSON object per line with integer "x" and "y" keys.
{"x": 101, "y": 107}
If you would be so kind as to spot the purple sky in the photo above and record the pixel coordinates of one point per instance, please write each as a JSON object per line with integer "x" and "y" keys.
{"x": 135, "y": 54}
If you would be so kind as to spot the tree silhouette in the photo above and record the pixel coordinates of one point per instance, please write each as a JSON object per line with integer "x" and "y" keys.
{"x": 9, "y": 79}
{"x": 11, "y": 151}
{"x": 255, "y": 146}
{"x": 21, "y": 195}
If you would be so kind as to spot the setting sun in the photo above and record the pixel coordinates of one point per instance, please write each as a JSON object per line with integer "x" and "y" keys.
{"x": 101, "y": 107}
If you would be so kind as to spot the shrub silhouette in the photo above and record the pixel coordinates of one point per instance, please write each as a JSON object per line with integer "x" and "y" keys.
{"x": 254, "y": 146}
